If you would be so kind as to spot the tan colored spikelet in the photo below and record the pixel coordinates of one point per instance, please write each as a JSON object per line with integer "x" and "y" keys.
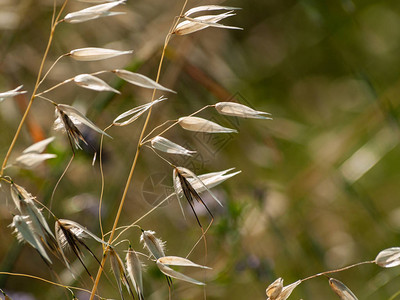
{"x": 154, "y": 245}
{"x": 274, "y": 289}
{"x": 32, "y": 156}
{"x": 287, "y": 290}
{"x": 208, "y": 8}
{"x": 388, "y": 258}
{"x": 240, "y": 110}
{"x": 163, "y": 262}
{"x": 202, "y": 125}
{"x": 134, "y": 268}
{"x": 165, "y": 145}
{"x": 12, "y": 93}
{"x": 93, "y": 12}
{"x": 135, "y": 113}
{"x": 191, "y": 25}
{"x": 119, "y": 272}
{"x": 93, "y": 83}
{"x": 140, "y": 80}
{"x": 341, "y": 290}
{"x": 93, "y": 54}
{"x": 25, "y": 233}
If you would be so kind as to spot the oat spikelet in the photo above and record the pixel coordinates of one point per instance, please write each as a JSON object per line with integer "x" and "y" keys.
{"x": 134, "y": 268}
{"x": 154, "y": 245}
{"x": 118, "y": 269}
{"x": 341, "y": 290}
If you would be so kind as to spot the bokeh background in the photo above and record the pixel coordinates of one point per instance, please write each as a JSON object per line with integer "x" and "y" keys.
{"x": 319, "y": 187}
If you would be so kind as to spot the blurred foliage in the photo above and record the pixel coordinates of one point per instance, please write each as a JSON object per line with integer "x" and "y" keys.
{"x": 319, "y": 187}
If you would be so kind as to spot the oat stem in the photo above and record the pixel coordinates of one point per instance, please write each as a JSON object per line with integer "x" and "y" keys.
{"x": 338, "y": 270}
{"x": 39, "y": 75}
{"x": 70, "y": 288}
{"x": 130, "y": 176}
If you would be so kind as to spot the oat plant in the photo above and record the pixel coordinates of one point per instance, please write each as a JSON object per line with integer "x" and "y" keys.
{"x": 69, "y": 249}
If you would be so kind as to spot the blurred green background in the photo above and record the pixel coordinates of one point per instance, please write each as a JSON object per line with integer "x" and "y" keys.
{"x": 319, "y": 187}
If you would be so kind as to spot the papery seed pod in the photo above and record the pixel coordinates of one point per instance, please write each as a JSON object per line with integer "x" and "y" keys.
{"x": 134, "y": 268}
{"x": 163, "y": 262}
{"x": 25, "y": 233}
{"x": 165, "y": 145}
{"x": 341, "y": 290}
{"x": 93, "y": 83}
{"x": 93, "y": 54}
{"x": 12, "y": 93}
{"x": 135, "y": 113}
{"x": 240, "y": 110}
{"x": 287, "y": 290}
{"x": 93, "y": 12}
{"x": 192, "y": 25}
{"x": 154, "y": 245}
{"x": 388, "y": 258}
{"x": 208, "y": 8}
{"x": 202, "y": 125}
{"x": 119, "y": 272}
{"x": 39, "y": 147}
{"x": 274, "y": 289}
{"x": 210, "y": 180}
{"x": 140, "y": 80}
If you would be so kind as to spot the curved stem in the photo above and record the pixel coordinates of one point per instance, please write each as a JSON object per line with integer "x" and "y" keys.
{"x": 338, "y": 270}
{"x": 39, "y": 75}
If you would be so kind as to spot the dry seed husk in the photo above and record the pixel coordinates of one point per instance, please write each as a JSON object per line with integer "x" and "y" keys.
{"x": 341, "y": 290}
{"x": 12, "y": 93}
{"x": 32, "y": 160}
{"x": 135, "y": 113}
{"x": 140, "y": 80}
{"x": 388, "y": 258}
{"x": 192, "y": 25}
{"x": 39, "y": 147}
{"x": 25, "y": 233}
{"x": 287, "y": 290}
{"x": 154, "y": 245}
{"x": 134, "y": 269}
{"x": 274, "y": 289}
{"x": 202, "y": 125}
{"x": 208, "y": 8}
{"x": 93, "y": 83}
{"x": 93, "y": 54}
{"x": 240, "y": 110}
{"x": 177, "y": 275}
{"x": 93, "y": 12}
{"x": 165, "y": 145}
{"x": 119, "y": 272}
